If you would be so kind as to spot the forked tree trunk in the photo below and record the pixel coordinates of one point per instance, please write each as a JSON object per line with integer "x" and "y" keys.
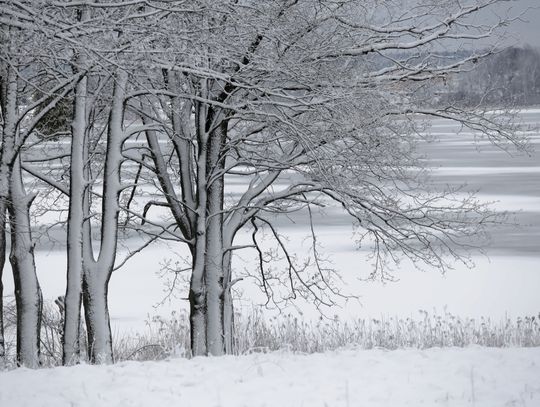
{"x": 97, "y": 273}
{"x": 98, "y": 325}
{"x": 27, "y": 290}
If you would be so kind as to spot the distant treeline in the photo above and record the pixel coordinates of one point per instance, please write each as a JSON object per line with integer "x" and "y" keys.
{"x": 511, "y": 76}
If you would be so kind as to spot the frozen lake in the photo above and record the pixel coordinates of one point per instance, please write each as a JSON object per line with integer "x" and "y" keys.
{"x": 505, "y": 283}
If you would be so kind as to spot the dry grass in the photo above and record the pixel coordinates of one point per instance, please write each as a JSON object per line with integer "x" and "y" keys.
{"x": 169, "y": 337}
{"x": 163, "y": 338}
{"x": 254, "y": 333}
{"x": 390, "y": 333}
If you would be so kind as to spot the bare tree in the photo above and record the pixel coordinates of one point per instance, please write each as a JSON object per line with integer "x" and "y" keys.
{"x": 98, "y": 73}
{"x": 97, "y": 270}
{"x": 21, "y": 75}
{"x": 324, "y": 96}
{"x": 98, "y": 78}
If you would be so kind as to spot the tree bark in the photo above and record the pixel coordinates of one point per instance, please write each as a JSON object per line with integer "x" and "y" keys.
{"x": 3, "y": 248}
{"x": 197, "y": 300}
{"x": 4, "y": 193}
{"x": 72, "y": 317}
{"x": 97, "y": 273}
{"x": 96, "y": 311}
{"x": 197, "y": 287}
{"x": 214, "y": 244}
{"x": 228, "y": 306}
{"x": 213, "y": 271}
{"x": 27, "y": 290}
{"x": 76, "y": 217}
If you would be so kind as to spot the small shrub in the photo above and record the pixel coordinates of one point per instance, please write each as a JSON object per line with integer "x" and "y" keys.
{"x": 51, "y": 334}
{"x": 163, "y": 337}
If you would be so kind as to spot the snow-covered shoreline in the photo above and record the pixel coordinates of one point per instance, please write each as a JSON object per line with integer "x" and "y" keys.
{"x": 473, "y": 376}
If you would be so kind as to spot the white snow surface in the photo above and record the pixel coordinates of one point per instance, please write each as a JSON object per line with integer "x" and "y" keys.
{"x": 475, "y": 376}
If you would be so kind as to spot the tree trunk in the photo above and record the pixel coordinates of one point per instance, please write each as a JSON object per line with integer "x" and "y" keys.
{"x": 213, "y": 270}
{"x": 72, "y": 317}
{"x": 197, "y": 286}
{"x": 4, "y": 193}
{"x": 27, "y": 291}
{"x": 96, "y": 274}
{"x": 228, "y": 306}
{"x": 3, "y": 248}
{"x": 96, "y": 312}
{"x": 76, "y": 215}
{"x": 214, "y": 245}
{"x": 197, "y": 301}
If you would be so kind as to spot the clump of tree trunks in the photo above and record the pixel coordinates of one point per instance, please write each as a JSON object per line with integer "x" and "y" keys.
{"x": 326, "y": 97}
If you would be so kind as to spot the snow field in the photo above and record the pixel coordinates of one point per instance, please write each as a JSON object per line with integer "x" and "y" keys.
{"x": 474, "y": 376}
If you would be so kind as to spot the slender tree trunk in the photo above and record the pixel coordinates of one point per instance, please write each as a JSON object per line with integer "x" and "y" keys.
{"x": 77, "y": 195}
{"x": 8, "y": 108}
{"x": 72, "y": 319}
{"x": 228, "y": 306}
{"x": 96, "y": 311}
{"x": 197, "y": 301}
{"x": 213, "y": 270}
{"x": 214, "y": 286}
{"x": 27, "y": 291}
{"x": 4, "y": 194}
{"x": 181, "y": 115}
{"x": 197, "y": 286}
{"x": 214, "y": 246}
{"x": 3, "y": 248}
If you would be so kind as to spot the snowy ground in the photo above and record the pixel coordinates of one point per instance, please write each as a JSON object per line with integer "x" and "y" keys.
{"x": 480, "y": 377}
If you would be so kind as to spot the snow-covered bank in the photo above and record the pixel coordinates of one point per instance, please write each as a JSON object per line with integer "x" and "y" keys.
{"x": 473, "y": 376}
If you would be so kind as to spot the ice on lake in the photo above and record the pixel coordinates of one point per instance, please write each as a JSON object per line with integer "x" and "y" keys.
{"x": 504, "y": 283}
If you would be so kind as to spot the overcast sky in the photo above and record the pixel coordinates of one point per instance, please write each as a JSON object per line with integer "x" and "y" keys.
{"x": 527, "y": 32}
